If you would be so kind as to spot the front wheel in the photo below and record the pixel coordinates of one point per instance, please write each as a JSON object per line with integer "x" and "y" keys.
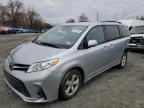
{"x": 123, "y": 60}
{"x": 70, "y": 84}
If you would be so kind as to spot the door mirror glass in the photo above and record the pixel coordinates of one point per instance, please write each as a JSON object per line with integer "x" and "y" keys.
{"x": 92, "y": 43}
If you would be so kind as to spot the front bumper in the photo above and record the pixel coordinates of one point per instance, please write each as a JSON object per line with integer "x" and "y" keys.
{"x": 135, "y": 46}
{"x": 26, "y": 99}
{"x": 42, "y": 86}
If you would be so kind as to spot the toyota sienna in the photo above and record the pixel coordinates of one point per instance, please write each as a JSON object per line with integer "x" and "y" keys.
{"x": 55, "y": 64}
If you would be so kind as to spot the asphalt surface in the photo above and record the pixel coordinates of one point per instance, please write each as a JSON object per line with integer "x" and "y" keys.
{"x": 115, "y": 88}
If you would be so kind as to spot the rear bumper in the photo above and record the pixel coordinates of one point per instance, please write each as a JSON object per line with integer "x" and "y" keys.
{"x": 3, "y": 32}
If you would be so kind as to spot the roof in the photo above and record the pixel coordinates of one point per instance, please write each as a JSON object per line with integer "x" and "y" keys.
{"x": 94, "y": 23}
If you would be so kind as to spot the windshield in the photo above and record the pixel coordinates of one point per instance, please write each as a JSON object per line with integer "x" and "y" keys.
{"x": 63, "y": 36}
{"x": 137, "y": 30}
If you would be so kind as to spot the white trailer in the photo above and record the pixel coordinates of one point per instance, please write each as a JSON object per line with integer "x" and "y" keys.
{"x": 132, "y": 22}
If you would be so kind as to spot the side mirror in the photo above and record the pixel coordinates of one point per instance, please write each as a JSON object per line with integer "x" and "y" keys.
{"x": 92, "y": 43}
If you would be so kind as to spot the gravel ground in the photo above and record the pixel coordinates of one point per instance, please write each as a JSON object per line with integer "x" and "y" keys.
{"x": 115, "y": 88}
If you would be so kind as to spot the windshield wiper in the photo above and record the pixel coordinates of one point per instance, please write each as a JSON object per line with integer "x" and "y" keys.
{"x": 48, "y": 44}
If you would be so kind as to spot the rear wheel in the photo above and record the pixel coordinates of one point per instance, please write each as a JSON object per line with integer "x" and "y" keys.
{"x": 70, "y": 84}
{"x": 123, "y": 60}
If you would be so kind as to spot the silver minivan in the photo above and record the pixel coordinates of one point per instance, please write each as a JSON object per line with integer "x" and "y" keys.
{"x": 55, "y": 64}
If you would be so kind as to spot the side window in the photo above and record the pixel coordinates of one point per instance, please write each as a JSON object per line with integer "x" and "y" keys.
{"x": 124, "y": 32}
{"x": 111, "y": 32}
{"x": 96, "y": 34}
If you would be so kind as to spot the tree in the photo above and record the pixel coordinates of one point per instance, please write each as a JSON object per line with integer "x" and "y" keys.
{"x": 47, "y": 26}
{"x": 14, "y": 8}
{"x": 71, "y": 20}
{"x": 3, "y": 15}
{"x": 83, "y": 18}
{"x": 15, "y": 14}
{"x": 32, "y": 17}
{"x": 35, "y": 21}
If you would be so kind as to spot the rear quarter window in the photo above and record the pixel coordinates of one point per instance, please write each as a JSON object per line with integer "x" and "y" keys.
{"x": 124, "y": 32}
{"x": 111, "y": 32}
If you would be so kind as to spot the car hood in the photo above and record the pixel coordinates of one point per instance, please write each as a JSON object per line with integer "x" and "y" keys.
{"x": 30, "y": 52}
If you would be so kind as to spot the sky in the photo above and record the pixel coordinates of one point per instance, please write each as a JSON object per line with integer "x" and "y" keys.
{"x": 58, "y": 11}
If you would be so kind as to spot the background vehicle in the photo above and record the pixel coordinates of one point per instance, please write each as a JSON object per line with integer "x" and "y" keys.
{"x": 7, "y": 30}
{"x": 130, "y": 23}
{"x": 55, "y": 64}
{"x": 137, "y": 38}
{"x": 22, "y": 30}
{"x": 2, "y": 30}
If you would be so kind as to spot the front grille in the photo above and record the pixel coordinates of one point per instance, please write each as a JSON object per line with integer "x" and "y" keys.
{"x": 17, "y": 84}
{"x": 137, "y": 40}
{"x": 20, "y": 67}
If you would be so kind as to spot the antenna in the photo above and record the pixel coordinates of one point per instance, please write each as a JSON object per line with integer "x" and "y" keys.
{"x": 97, "y": 16}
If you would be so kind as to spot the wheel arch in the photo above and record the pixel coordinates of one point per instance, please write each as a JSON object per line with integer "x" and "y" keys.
{"x": 72, "y": 68}
{"x": 81, "y": 72}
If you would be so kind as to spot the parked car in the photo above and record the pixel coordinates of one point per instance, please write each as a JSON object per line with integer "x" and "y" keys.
{"x": 130, "y": 23}
{"x": 10, "y": 30}
{"x": 58, "y": 62}
{"x": 2, "y": 30}
{"x": 7, "y": 30}
{"x": 137, "y": 38}
{"x": 18, "y": 30}
{"x": 22, "y": 30}
{"x": 35, "y": 31}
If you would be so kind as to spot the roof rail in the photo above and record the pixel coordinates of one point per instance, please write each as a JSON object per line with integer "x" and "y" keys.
{"x": 112, "y": 21}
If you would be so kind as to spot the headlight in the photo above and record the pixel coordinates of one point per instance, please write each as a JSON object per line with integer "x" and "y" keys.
{"x": 42, "y": 65}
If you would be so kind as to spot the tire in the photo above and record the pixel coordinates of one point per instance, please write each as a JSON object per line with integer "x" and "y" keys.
{"x": 123, "y": 60}
{"x": 70, "y": 84}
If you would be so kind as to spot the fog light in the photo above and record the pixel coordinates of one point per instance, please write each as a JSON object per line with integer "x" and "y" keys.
{"x": 41, "y": 94}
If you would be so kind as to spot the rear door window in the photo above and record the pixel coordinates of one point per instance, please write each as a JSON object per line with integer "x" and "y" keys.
{"x": 111, "y": 32}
